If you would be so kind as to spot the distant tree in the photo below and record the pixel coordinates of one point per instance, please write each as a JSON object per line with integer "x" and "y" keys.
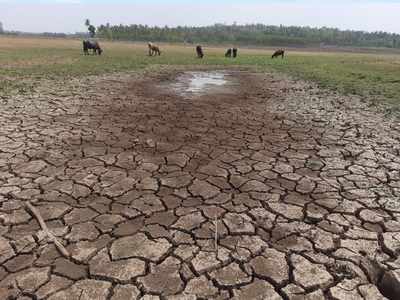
{"x": 251, "y": 34}
{"x": 91, "y": 28}
{"x": 1, "y": 28}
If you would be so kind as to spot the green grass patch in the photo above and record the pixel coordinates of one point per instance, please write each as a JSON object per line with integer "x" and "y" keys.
{"x": 364, "y": 74}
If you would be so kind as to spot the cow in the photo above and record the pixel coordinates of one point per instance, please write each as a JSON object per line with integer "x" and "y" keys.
{"x": 153, "y": 49}
{"x": 94, "y": 45}
{"x": 278, "y": 53}
{"x": 231, "y": 52}
{"x": 199, "y": 51}
{"x": 234, "y": 52}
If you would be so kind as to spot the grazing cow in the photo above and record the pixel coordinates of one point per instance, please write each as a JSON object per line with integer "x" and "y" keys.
{"x": 94, "y": 45}
{"x": 199, "y": 51}
{"x": 278, "y": 53}
{"x": 153, "y": 49}
{"x": 231, "y": 52}
{"x": 234, "y": 52}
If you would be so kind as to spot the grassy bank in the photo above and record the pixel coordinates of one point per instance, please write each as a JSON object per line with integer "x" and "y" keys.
{"x": 33, "y": 59}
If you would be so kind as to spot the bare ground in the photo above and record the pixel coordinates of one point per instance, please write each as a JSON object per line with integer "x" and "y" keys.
{"x": 302, "y": 184}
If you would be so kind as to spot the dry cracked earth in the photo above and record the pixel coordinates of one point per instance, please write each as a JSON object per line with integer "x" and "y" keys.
{"x": 268, "y": 188}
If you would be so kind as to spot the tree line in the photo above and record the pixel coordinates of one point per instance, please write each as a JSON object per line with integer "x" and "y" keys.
{"x": 255, "y": 34}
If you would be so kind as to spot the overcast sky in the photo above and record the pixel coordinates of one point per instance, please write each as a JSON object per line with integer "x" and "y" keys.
{"x": 69, "y": 15}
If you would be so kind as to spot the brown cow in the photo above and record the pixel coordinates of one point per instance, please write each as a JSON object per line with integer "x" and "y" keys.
{"x": 199, "y": 51}
{"x": 153, "y": 49}
{"x": 278, "y": 53}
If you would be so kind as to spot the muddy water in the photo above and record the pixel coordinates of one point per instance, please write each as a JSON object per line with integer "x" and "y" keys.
{"x": 200, "y": 81}
{"x": 196, "y": 83}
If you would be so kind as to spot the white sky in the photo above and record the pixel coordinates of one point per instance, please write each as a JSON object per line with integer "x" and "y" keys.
{"x": 69, "y": 15}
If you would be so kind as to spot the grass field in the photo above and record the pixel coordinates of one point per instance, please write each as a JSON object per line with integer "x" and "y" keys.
{"x": 375, "y": 74}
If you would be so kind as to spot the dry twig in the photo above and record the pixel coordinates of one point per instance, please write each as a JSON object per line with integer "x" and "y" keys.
{"x": 46, "y": 230}
{"x": 216, "y": 234}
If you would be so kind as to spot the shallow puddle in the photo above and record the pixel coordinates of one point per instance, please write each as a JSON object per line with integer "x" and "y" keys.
{"x": 198, "y": 83}
{"x": 203, "y": 80}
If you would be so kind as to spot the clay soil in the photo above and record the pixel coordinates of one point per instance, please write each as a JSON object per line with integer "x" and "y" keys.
{"x": 267, "y": 188}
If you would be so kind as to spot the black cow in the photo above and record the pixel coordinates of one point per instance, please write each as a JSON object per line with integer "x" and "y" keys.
{"x": 95, "y": 46}
{"x": 234, "y": 52}
{"x": 199, "y": 51}
{"x": 278, "y": 53}
{"x": 231, "y": 52}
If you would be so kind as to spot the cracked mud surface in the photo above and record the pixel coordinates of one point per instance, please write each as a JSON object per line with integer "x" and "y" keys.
{"x": 303, "y": 185}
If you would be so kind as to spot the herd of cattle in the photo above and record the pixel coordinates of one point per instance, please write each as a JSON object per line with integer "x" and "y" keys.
{"x": 154, "y": 50}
